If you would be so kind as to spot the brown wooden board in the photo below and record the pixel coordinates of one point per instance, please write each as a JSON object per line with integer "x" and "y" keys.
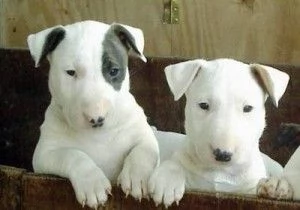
{"x": 251, "y": 30}
{"x": 10, "y": 187}
{"x": 29, "y": 191}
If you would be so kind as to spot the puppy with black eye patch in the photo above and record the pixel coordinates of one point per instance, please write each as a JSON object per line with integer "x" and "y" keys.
{"x": 94, "y": 132}
{"x": 224, "y": 120}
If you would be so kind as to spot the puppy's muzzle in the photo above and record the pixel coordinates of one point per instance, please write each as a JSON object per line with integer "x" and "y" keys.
{"x": 222, "y": 156}
{"x": 95, "y": 113}
{"x": 97, "y": 122}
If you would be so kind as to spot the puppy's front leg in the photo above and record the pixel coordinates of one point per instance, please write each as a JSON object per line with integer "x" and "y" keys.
{"x": 167, "y": 183}
{"x": 137, "y": 168}
{"x": 275, "y": 188}
{"x": 89, "y": 182}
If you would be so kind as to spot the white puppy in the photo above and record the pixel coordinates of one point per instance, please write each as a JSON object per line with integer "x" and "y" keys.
{"x": 284, "y": 186}
{"x": 94, "y": 132}
{"x": 225, "y": 118}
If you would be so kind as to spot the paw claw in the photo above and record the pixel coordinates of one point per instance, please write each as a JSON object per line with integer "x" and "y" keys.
{"x": 127, "y": 193}
{"x": 108, "y": 192}
{"x": 83, "y": 204}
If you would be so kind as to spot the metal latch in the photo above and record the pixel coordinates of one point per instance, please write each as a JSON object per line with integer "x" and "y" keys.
{"x": 171, "y": 12}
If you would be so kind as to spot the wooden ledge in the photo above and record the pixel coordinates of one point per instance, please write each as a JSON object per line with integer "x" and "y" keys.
{"x": 20, "y": 189}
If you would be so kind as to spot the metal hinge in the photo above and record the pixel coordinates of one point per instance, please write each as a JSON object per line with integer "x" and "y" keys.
{"x": 171, "y": 12}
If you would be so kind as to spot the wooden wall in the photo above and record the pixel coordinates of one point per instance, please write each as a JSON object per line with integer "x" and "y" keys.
{"x": 251, "y": 30}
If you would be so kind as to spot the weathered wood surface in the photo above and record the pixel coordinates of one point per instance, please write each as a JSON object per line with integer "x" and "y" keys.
{"x": 20, "y": 18}
{"x": 265, "y": 31}
{"x": 10, "y": 187}
{"x": 30, "y": 191}
{"x": 251, "y": 30}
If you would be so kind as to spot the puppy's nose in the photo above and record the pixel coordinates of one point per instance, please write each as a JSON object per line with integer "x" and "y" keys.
{"x": 97, "y": 122}
{"x": 222, "y": 156}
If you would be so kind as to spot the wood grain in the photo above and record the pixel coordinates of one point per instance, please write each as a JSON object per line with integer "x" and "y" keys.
{"x": 258, "y": 30}
{"x": 265, "y": 31}
{"x": 20, "y": 18}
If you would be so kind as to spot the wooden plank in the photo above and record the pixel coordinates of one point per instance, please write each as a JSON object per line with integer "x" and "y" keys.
{"x": 262, "y": 30}
{"x": 10, "y": 187}
{"x": 20, "y": 18}
{"x": 49, "y": 192}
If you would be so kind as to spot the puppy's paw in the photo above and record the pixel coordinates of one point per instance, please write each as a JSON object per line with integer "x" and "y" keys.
{"x": 91, "y": 187}
{"x": 133, "y": 180}
{"x": 275, "y": 188}
{"x": 166, "y": 185}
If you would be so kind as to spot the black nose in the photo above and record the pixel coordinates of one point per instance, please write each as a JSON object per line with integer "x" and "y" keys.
{"x": 97, "y": 123}
{"x": 222, "y": 156}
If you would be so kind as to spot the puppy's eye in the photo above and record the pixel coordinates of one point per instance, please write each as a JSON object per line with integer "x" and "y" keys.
{"x": 247, "y": 108}
{"x": 204, "y": 106}
{"x": 71, "y": 72}
{"x": 114, "y": 72}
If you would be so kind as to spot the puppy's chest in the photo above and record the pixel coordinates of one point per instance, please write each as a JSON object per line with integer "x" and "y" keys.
{"x": 108, "y": 149}
{"x": 219, "y": 181}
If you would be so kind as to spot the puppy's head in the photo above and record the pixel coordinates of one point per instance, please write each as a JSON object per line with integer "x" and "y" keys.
{"x": 88, "y": 77}
{"x": 225, "y": 114}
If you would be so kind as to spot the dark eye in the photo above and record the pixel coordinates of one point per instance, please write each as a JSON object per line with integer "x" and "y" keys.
{"x": 204, "y": 106}
{"x": 247, "y": 108}
{"x": 71, "y": 72}
{"x": 113, "y": 72}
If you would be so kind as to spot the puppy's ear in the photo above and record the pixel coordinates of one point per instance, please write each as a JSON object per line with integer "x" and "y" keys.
{"x": 274, "y": 81}
{"x": 44, "y": 42}
{"x": 131, "y": 38}
{"x": 181, "y": 75}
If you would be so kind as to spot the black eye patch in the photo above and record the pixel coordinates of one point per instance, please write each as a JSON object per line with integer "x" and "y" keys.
{"x": 116, "y": 45}
{"x": 113, "y": 70}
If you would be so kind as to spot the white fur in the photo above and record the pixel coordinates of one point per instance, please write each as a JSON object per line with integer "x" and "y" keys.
{"x": 227, "y": 86}
{"x": 123, "y": 150}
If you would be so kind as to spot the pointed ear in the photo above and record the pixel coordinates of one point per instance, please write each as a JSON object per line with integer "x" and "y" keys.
{"x": 274, "y": 81}
{"x": 131, "y": 38}
{"x": 44, "y": 42}
{"x": 180, "y": 76}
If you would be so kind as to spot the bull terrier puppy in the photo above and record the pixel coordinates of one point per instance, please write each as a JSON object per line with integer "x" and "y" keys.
{"x": 224, "y": 120}
{"x": 94, "y": 132}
